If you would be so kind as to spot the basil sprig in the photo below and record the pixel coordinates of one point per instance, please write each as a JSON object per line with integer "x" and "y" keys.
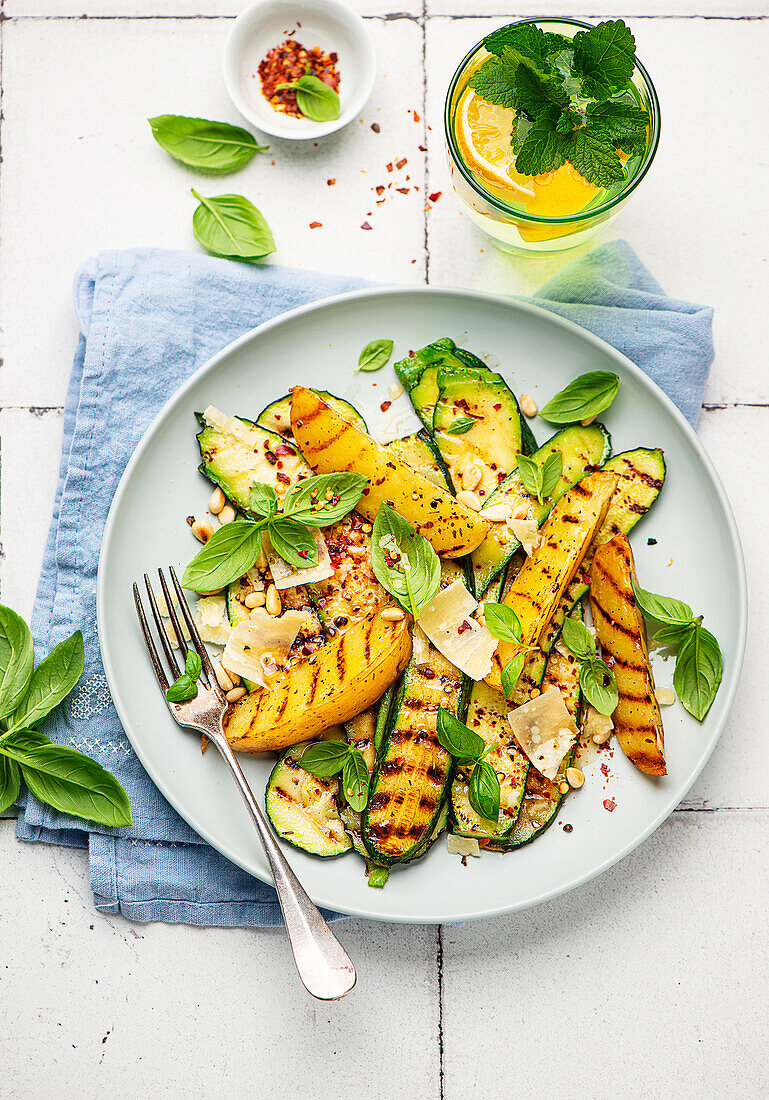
{"x": 584, "y": 398}
{"x": 374, "y": 356}
{"x": 200, "y": 143}
{"x": 461, "y": 425}
{"x": 699, "y": 664}
{"x": 596, "y": 679}
{"x": 185, "y": 687}
{"x": 231, "y": 227}
{"x": 58, "y": 775}
{"x": 328, "y": 758}
{"x": 316, "y": 100}
{"x": 403, "y": 561}
{"x": 234, "y": 547}
{"x": 468, "y": 747}
{"x": 538, "y": 479}
{"x": 503, "y": 623}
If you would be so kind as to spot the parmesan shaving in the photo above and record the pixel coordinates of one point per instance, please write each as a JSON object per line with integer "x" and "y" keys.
{"x": 230, "y": 425}
{"x": 463, "y": 846}
{"x": 448, "y": 623}
{"x": 211, "y": 620}
{"x": 285, "y": 576}
{"x": 421, "y": 647}
{"x": 397, "y": 423}
{"x": 545, "y": 731}
{"x": 527, "y": 533}
{"x": 665, "y": 697}
{"x": 258, "y": 647}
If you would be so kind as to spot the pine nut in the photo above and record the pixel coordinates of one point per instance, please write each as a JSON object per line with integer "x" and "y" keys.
{"x": 470, "y": 500}
{"x": 213, "y": 592}
{"x": 236, "y": 680}
{"x": 528, "y": 405}
{"x": 497, "y": 513}
{"x": 563, "y": 788}
{"x": 588, "y": 422}
{"x": 222, "y": 679}
{"x": 602, "y": 738}
{"x": 367, "y": 528}
{"x": 260, "y": 600}
{"x": 217, "y": 501}
{"x": 227, "y": 514}
{"x": 274, "y": 606}
{"x": 472, "y": 477}
{"x": 202, "y": 530}
{"x": 395, "y": 391}
{"x": 236, "y": 694}
{"x": 575, "y": 777}
{"x": 261, "y": 561}
{"x": 254, "y": 599}
{"x": 393, "y": 614}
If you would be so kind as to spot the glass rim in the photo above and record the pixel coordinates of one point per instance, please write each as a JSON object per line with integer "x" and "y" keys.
{"x": 580, "y": 216}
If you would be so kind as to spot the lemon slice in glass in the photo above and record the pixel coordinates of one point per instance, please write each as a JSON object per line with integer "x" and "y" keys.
{"x": 483, "y": 134}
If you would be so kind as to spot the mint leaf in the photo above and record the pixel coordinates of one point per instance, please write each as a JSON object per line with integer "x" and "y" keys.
{"x": 526, "y": 37}
{"x": 535, "y": 91}
{"x": 568, "y": 121}
{"x": 620, "y": 123}
{"x": 492, "y": 83}
{"x": 596, "y": 160}
{"x": 542, "y": 150}
{"x": 521, "y": 128}
{"x": 605, "y": 58}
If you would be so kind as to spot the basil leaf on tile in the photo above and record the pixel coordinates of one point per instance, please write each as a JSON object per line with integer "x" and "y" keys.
{"x": 231, "y": 227}
{"x": 200, "y": 143}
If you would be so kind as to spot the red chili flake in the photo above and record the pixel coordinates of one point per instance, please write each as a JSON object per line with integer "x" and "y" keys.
{"x": 284, "y": 449}
{"x": 403, "y": 190}
{"x": 316, "y": 225}
{"x": 400, "y": 163}
{"x": 435, "y": 196}
{"x": 302, "y": 553}
{"x": 190, "y": 520}
{"x": 286, "y": 63}
{"x": 609, "y": 804}
{"x": 271, "y": 458}
{"x": 463, "y": 626}
{"x": 283, "y": 478}
{"x": 428, "y": 674}
{"x": 385, "y": 406}
{"x": 379, "y": 188}
{"x": 498, "y": 406}
{"x": 365, "y": 226}
{"x": 605, "y": 770}
{"x": 375, "y": 127}
{"x": 568, "y": 828}
{"x": 330, "y": 182}
{"x": 389, "y": 167}
{"x": 416, "y": 117}
{"x": 412, "y": 355}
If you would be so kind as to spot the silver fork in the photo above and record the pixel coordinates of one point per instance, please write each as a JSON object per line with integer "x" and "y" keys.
{"x": 322, "y": 962}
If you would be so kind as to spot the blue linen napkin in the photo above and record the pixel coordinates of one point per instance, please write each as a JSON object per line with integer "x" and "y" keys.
{"x": 148, "y": 319}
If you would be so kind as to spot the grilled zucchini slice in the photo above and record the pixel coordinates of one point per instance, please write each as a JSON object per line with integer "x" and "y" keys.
{"x": 276, "y": 417}
{"x": 419, "y": 374}
{"x": 304, "y": 808}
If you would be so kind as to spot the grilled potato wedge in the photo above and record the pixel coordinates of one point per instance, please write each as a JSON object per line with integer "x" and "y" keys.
{"x": 343, "y": 678}
{"x": 330, "y": 444}
{"x": 622, "y": 634}
{"x": 565, "y": 539}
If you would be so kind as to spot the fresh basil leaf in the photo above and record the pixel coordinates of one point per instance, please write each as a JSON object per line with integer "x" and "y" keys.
{"x": 484, "y": 791}
{"x": 17, "y": 657}
{"x": 50, "y": 683}
{"x": 461, "y": 425}
{"x": 698, "y": 671}
{"x": 325, "y": 499}
{"x": 463, "y": 744}
{"x": 662, "y": 609}
{"x": 585, "y": 397}
{"x": 69, "y": 781}
{"x": 193, "y": 665}
{"x": 10, "y": 782}
{"x": 374, "y": 355}
{"x": 530, "y": 474}
{"x": 605, "y": 57}
{"x": 199, "y": 143}
{"x": 262, "y": 499}
{"x": 673, "y": 635}
{"x": 502, "y": 622}
{"x": 228, "y": 554}
{"x": 314, "y": 99}
{"x": 598, "y": 684}
{"x": 182, "y": 689}
{"x": 355, "y": 780}
{"x": 325, "y": 758}
{"x": 295, "y": 544}
{"x": 552, "y": 468}
{"x": 231, "y": 227}
{"x": 404, "y": 562}
{"x": 578, "y": 639}
{"x": 510, "y": 673}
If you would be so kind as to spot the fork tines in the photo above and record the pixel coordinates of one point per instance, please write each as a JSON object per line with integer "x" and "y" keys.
{"x": 207, "y": 675}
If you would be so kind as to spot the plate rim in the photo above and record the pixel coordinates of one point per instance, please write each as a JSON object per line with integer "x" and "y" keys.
{"x": 509, "y": 302}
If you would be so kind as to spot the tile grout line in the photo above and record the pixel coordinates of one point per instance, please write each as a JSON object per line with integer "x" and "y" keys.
{"x": 426, "y": 180}
{"x": 439, "y": 959}
{"x": 385, "y": 16}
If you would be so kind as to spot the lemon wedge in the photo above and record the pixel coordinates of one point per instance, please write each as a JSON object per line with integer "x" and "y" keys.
{"x": 483, "y": 134}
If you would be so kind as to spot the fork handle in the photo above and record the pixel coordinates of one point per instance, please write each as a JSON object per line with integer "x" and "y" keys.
{"x": 323, "y": 964}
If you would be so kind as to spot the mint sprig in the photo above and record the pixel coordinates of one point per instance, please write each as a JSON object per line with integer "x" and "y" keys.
{"x": 570, "y": 97}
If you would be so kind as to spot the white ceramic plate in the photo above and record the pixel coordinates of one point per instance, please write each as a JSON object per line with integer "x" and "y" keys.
{"x": 697, "y": 557}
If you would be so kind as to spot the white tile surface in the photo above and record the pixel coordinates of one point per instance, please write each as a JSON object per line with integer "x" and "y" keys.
{"x": 658, "y": 969}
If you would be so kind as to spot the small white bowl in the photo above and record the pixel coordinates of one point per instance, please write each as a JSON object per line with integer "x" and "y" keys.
{"x": 328, "y": 24}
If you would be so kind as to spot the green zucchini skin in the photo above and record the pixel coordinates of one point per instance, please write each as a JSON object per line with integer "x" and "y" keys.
{"x": 304, "y": 809}
{"x": 276, "y": 417}
{"x": 420, "y": 451}
{"x": 419, "y": 375}
{"x": 583, "y": 449}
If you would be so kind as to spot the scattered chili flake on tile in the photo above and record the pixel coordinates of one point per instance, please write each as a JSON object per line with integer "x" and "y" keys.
{"x": 315, "y": 225}
{"x": 376, "y": 127}
{"x": 365, "y": 226}
{"x": 379, "y": 188}
{"x": 389, "y": 167}
{"x": 609, "y": 804}
{"x": 385, "y": 406}
{"x": 403, "y": 190}
{"x": 422, "y": 148}
{"x": 605, "y": 770}
{"x": 435, "y": 196}
{"x": 286, "y": 63}
{"x": 416, "y": 117}
{"x": 401, "y": 163}
{"x": 330, "y": 182}
{"x": 568, "y": 828}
